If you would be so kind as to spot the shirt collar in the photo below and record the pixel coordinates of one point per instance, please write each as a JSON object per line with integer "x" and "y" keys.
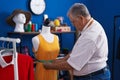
{"x": 87, "y": 25}
{"x": 3, "y": 62}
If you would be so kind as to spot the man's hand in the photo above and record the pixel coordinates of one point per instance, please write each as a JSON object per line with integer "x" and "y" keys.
{"x": 58, "y": 65}
{"x": 47, "y": 65}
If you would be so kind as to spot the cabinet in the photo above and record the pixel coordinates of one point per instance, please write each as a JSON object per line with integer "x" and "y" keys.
{"x": 116, "y": 49}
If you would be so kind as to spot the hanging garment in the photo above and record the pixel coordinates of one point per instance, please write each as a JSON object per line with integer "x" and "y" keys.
{"x": 25, "y": 67}
{"x": 47, "y": 51}
{"x": 23, "y": 49}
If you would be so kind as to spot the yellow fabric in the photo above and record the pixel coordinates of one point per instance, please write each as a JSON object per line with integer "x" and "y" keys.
{"x": 46, "y": 51}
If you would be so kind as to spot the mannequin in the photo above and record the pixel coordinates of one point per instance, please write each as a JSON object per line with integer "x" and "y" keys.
{"x": 19, "y": 20}
{"x": 46, "y": 48}
{"x": 48, "y": 36}
{"x": 46, "y": 33}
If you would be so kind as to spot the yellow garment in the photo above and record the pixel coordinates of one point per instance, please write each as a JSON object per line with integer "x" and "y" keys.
{"x": 46, "y": 51}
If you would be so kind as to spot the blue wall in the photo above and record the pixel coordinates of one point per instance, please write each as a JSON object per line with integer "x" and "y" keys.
{"x": 54, "y": 8}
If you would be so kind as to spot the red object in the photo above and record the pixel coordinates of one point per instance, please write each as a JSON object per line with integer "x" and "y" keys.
{"x": 33, "y": 28}
{"x": 25, "y": 68}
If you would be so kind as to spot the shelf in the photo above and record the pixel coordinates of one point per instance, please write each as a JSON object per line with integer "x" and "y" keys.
{"x": 35, "y": 33}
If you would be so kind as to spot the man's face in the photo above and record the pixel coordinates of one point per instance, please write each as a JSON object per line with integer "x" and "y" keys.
{"x": 76, "y": 22}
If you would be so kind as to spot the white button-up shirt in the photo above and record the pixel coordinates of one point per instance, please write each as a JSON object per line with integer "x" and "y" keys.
{"x": 90, "y": 51}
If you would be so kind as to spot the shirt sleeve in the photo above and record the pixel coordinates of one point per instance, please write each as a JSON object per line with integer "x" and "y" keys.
{"x": 81, "y": 53}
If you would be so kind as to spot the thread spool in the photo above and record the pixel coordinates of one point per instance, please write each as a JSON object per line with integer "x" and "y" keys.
{"x": 33, "y": 27}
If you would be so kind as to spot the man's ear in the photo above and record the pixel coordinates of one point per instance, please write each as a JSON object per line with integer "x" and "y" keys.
{"x": 82, "y": 19}
{"x": 79, "y": 17}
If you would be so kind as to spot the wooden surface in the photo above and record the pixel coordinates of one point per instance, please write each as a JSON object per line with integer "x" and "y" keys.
{"x": 34, "y": 33}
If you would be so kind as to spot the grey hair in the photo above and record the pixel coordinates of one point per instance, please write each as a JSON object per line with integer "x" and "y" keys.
{"x": 79, "y": 9}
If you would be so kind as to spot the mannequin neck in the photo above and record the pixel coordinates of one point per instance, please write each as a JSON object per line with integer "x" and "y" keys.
{"x": 48, "y": 36}
{"x": 19, "y": 28}
{"x": 45, "y": 30}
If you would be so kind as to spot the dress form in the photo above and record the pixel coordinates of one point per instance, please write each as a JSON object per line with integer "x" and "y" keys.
{"x": 46, "y": 48}
{"x": 47, "y": 35}
{"x": 19, "y": 20}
